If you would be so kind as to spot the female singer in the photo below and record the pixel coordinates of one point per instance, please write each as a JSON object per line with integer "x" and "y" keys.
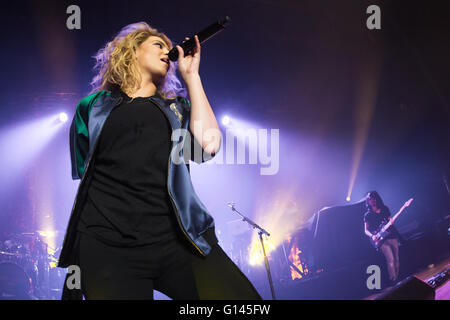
{"x": 137, "y": 224}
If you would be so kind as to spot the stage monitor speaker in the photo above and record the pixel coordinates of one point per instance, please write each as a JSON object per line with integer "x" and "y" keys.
{"x": 412, "y": 288}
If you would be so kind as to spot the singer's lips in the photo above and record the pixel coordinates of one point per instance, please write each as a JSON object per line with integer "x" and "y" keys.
{"x": 166, "y": 60}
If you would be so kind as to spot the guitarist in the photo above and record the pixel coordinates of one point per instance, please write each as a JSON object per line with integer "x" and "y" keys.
{"x": 376, "y": 216}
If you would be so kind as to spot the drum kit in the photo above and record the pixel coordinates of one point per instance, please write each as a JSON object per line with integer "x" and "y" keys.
{"x": 27, "y": 270}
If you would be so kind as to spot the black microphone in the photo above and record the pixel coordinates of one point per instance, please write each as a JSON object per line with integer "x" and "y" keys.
{"x": 189, "y": 45}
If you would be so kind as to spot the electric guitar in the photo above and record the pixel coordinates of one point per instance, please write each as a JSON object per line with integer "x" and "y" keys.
{"x": 383, "y": 231}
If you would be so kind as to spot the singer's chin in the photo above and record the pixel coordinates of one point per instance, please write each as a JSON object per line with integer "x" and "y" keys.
{"x": 166, "y": 71}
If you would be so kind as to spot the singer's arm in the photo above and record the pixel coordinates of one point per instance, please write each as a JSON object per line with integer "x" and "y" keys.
{"x": 203, "y": 123}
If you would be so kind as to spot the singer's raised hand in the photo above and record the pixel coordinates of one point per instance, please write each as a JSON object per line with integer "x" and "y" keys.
{"x": 188, "y": 66}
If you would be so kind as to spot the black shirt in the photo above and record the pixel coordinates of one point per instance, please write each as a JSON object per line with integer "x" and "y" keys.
{"x": 128, "y": 202}
{"x": 376, "y": 220}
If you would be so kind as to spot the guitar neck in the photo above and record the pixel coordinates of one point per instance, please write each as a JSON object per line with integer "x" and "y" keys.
{"x": 398, "y": 213}
{"x": 391, "y": 222}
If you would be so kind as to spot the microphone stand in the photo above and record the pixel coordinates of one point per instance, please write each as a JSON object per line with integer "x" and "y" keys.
{"x": 261, "y": 231}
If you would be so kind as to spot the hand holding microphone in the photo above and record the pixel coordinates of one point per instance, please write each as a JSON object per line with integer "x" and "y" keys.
{"x": 188, "y": 46}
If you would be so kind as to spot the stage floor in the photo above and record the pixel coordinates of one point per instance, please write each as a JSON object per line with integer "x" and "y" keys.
{"x": 442, "y": 291}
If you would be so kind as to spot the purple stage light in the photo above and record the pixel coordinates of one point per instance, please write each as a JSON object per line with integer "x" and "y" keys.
{"x": 21, "y": 143}
{"x": 226, "y": 120}
{"x": 63, "y": 117}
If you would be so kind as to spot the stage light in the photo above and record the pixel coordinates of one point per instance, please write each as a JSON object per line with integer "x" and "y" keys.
{"x": 63, "y": 117}
{"x": 226, "y": 120}
{"x": 256, "y": 256}
{"x": 48, "y": 233}
{"x": 366, "y": 91}
{"x": 23, "y": 142}
{"x": 348, "y": 199}
{"x": 279, "y": 215}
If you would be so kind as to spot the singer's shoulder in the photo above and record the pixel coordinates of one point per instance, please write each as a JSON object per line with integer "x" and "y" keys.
{"x": 87, "y": 101}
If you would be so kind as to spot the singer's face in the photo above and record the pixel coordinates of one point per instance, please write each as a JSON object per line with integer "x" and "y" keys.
{"x": 152, "y": 58}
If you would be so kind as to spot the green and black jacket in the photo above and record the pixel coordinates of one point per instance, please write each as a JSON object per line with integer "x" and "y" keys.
{"x": 91, "y": 113}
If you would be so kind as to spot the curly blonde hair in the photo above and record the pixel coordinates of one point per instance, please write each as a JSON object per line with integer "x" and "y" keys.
{"x": 116, "y": 63}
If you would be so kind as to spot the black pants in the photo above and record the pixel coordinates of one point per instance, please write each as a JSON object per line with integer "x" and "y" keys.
{"x": 170, "y": 267}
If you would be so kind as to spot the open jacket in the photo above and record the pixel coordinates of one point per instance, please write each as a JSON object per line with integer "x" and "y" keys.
{"x": 91, "y": 113}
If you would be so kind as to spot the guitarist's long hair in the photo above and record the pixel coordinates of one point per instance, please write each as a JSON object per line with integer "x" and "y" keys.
{"x": 374, "y": 194}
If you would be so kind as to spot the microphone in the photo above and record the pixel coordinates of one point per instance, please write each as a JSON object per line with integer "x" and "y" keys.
{"x": 210, "y": 31}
